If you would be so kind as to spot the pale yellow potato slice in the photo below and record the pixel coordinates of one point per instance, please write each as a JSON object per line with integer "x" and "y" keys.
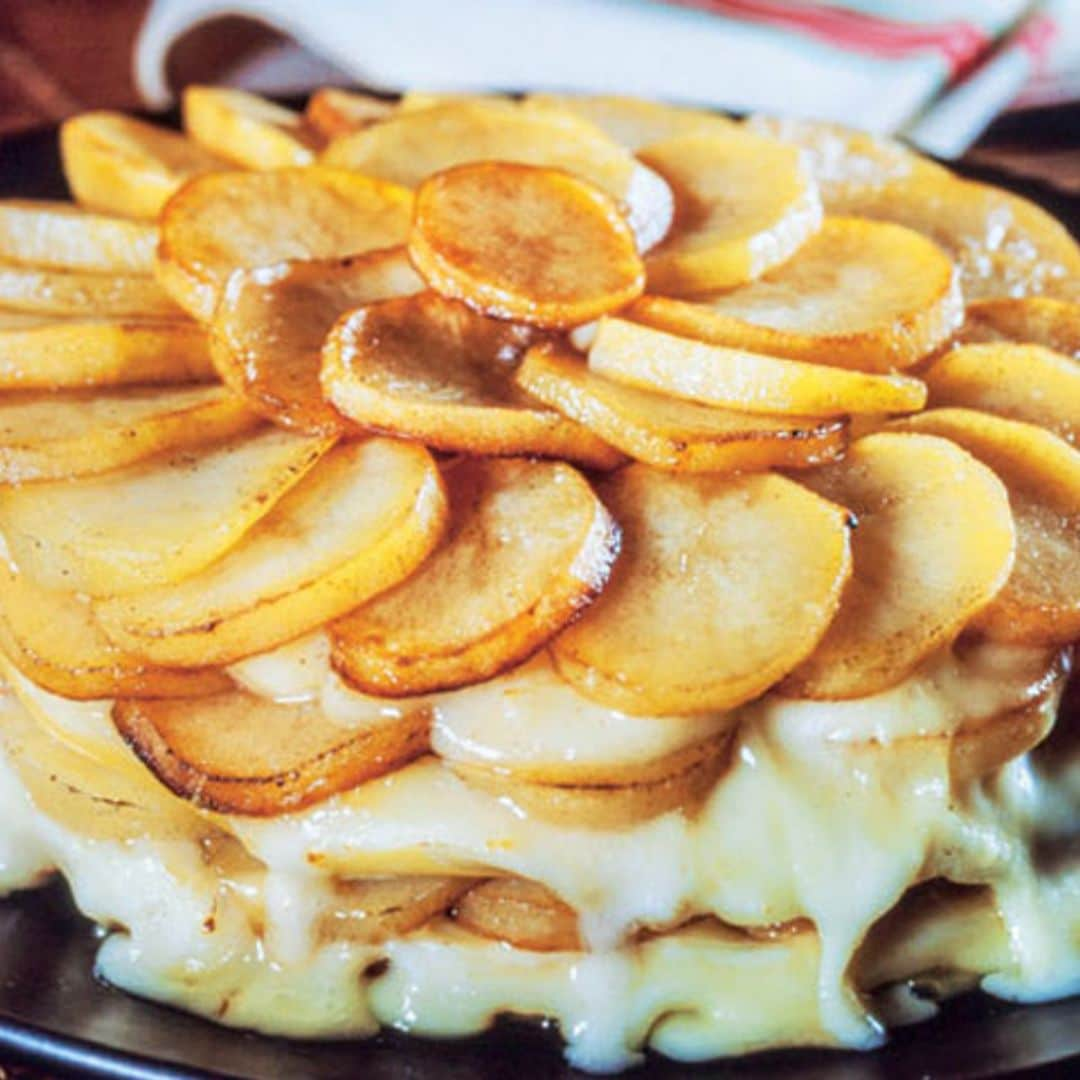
{"x": 1019, "y": 382}
{"x": 546, "y": 545}
{"x": 43, "y": 352}
{"x": 246, "y": 129}
{"x": 723, "y": 586}
{"x": 1027, "y": 320}
{"x": 332, "y": 112}
{"x": 859, "y": 294}
{"x": 151, "y": 523}
{"x": 934, "y": 544}
{"x": 414, "y": 144}
{"x": 746, "y": 381}
{"x": 1040, "y": 603}
{"x": 269, "y": 329}
{"x": 225, "y": 221}
{"x": 238, "y": 754}
{"x": 742, "y": 205}
{"x": 119, "y": 165}
{"x": 63, "y": 236}
{"x": 44, "y": 290}
{"x": 672, "y": 434}
{"x": 428, "y": 368}
{"x": 359, "y": 522}
{"x": 522, "y": 913}
{"x": 49, "y": 436}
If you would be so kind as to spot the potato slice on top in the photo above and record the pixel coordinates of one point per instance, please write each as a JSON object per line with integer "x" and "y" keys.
{"x": 1027, "y": 320}
{"x": 858, "y": 294}
{"x": 270, "y": 325}
{"x": 934, "y": 543}
{"x": 525, "y": 243}
{"x": 157, "y": 521}
{"x": 746, "y": 381}
{"x": 432, "y": 369}
{"x": 724, "y": 585}
{"x": 80, "y": 292}
{"x": 546, "y": 545}
{"x": 332, "y": 112}
{"x": 237, "y": 754}
{"x": 673, "y": 434}
{"x": 50, "y": 436}
{"x": 359, "y": 522}
{"x": 224, "y": 221}
{"x": 1040, "y": 603}
{"x": 742, "y": 205}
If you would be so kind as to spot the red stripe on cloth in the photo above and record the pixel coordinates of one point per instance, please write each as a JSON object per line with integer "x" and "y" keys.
{"x": 1037, "y": 39}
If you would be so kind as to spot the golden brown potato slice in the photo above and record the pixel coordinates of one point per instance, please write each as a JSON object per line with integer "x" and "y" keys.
{"x": 1020, "y": 382}
{"x": 246, "y": 129}
{"x": 736, "y": 379}
{"x": 48, "y": 436}
{"x": 522, "y": 913}
{"x": 432, "y": 369}
{"x": 40, "y": 352}
{"x": 934, "y": 544}
{"x": 519, "y": 242}
{"x": 364, "y": 517}
{"x": 151, "y": 523}
{"x": 1040, "y": 603}
{"x": 414, "y": 144}
{"x": 859, "y": 294}
{"x": 226, "y": 221}
{"x": 332, "y": 112}
{"x": 672, "y": 434}
{"x": 742, "y": 205}
{"x": 62, "y": 236}
{"x": 119, "y": 165}
{"x": 1027, "y": 320}
{"x": 77, "y": 292}
{"x": 724, "y": 585}
{"x": 546, "y": 545}
{"x": 237, "y": 754}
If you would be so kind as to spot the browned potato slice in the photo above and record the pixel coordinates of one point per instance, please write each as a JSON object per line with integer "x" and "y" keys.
{"x": 756, "y": 556}
{"x": 119, "y": 165}
{"x": 1040, "y": 604}
{"x": 373, "y": 910}
{"x": 361, "y": 520}
{"x": 154, "y": 522}
{"x": 39, "y": 352}
{"x": 1020, "y": 382}
{"x": 859, "y": 294}
{"x": 237, "y": 754}
{"x": 546, "y": 545}
{"x": 225, "y": 221}
{"x": 746, "y": 381}
{"x": 77, "y": 292}
{"x": 60, "y": 235}
{"x": 246, "y": 129}
{"x": 1027, "y": 320}
{"x": 934, "y": 544}
{"x": 522, "y": 913}
{"x": 742, "y": 205}
{"x": 519, "y": 242}
{"x": 332, "y": 112}
{"x": 428, "y": 368}
{"x": 49, "y": 436}
{"x": 673, "y": 434}
{"x": 270, "y": 326}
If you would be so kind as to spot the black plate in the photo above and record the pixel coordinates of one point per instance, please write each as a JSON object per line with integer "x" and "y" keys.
{"x": 55, "y": 1014}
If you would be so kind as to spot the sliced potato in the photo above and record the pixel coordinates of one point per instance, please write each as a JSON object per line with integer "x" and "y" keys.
{"x": 525, "y": 243}
{"x": 672, "y": 434}
{"x": 859, "y": 294}
{"x": 361, "y": 521}
{"x": 428, "y": 368}
{"x": 271, "y": 323}
{"x": 78, "y": 292}
{"x": 246, "y": 129}
{"x": 934, "y": 544}
{"x": 742, "y": 205}
{"x": 724, "y": 585}
{"x": 749, "y": 382}
{"x": 237, "y": 754}
{"x": 522, "y": 913}
{"x": 119, "y": 165}
{"x": 332, "y": 112}
{"x": 1040, "y": 603}
{"x": 225, "y": 221}
{"x": 1027, "y": 320}
{"x": 151, "y": 523}
{"x": 1020, "y": 382}
{"x": 39, "y": 352}
{"x": 546, "y": 545}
